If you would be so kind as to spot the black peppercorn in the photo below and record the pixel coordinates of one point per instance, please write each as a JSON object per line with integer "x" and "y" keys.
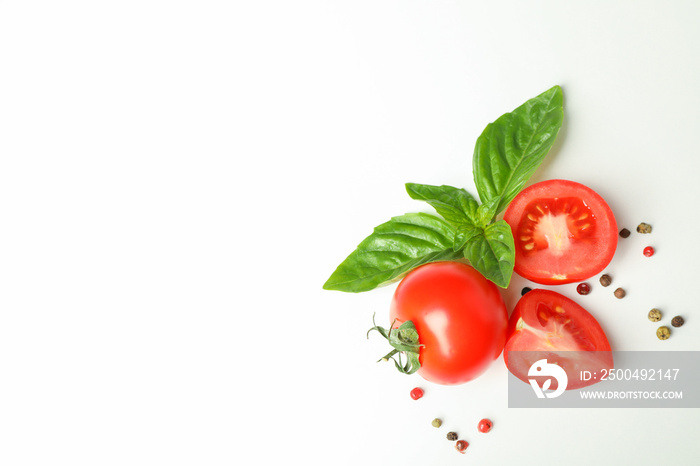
{"x": 605, "y": 280}
{"x": 677, "y": 321}
{"x": 625, "y": 233}
{"x": 525, "y": 290}
{"x": 619, "y": 293}
{"x": 452, "y": 436}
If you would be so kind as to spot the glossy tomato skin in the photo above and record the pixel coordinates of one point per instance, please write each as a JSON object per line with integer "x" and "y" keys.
{"x": 546, "y": 324}
{"x": 564, "y": 232}
{"x": 460, "y": 318}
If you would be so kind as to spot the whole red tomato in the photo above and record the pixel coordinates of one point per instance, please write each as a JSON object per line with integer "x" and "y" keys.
{"x": 460, "y": 318}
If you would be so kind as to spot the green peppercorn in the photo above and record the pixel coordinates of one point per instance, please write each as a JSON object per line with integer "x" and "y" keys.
{"x": 663, "y": 333}
{"x": 436, "y": 422}
{"x": 654, "y": 315}
{"x": 644, "y": 228}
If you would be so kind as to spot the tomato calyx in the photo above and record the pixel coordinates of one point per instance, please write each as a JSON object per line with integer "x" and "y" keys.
{"x": 404, "y": 339}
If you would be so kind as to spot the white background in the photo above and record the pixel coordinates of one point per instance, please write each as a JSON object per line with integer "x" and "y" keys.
{"x": 179, "y": 178}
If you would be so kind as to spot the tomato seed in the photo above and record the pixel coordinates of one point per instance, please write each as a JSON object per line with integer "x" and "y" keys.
{"x": 648, "y": 251}
{"x": 461, "y": 446}
{"x": 485, "y": 425}
{"x": 625, "y": 233}
{"x": 677, "y": 321}
{"x": 417, "y": 393}
{"x": 583, "y": 288}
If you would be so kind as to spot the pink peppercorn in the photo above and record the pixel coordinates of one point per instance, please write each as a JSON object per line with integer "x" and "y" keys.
{"x": 417, "y": 393}
{"x": 485, "y": 425}
{"x": 461, "y": 446}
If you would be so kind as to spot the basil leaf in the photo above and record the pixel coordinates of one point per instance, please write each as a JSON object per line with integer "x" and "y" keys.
{"x": 394, "y": 248}
{"x": 492, "y": 252}
{"x": 486, "y": 212}
{"x": 464, "y": 234}
{"x": 456, "y": 205}
{"x": 511, "y": 148}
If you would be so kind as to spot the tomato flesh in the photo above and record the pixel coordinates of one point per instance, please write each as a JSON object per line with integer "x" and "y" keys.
{"x": 564, "y": 232}
{"x": 460, "y": 318}
{"x": 548, "y": 325}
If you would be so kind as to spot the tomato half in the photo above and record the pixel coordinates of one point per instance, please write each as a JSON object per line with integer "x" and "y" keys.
{"x": 548, "y": 325}
{"x": 460, "y": 318}
{"x": 564, "y": 232}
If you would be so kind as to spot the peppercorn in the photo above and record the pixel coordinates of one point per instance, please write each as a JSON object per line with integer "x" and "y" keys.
{"x": 663, "y": 333}
{"x": 436, "y": 422}
{"x": 417, "y": 393}
{"x": 654, "y": 315}
{"x": 619, "y": 293}
{"x": 485, "y": 425}
{"x": 677, "y": 321}
{"x": 461, "y": 445}
{"x": 525, "y": 290}
{"x": 648, "y": 251}
{"x": 451, "y": 436}
{"x": 605, "y": 280}
{"x": 644, "y": 228}
{"x": 583, "y": 288}
{"x": 625, "y": 233}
